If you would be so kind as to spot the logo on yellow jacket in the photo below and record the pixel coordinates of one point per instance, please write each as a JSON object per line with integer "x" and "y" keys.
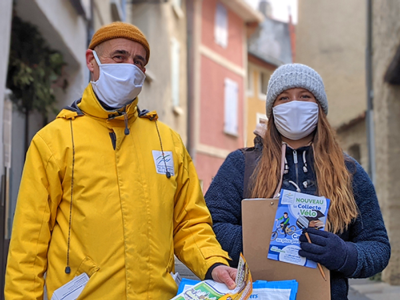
{"x": 164, "y": 162}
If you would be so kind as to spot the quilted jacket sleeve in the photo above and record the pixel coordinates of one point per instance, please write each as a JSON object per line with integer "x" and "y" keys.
{"x": 368, "y": 232}
{"x": 39, "y": 195}
{"x": 223, "y": 199}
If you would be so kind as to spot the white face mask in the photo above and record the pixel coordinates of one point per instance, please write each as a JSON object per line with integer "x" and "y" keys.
{"x": 118, "y": 84}
{"x": 296, "y": 119}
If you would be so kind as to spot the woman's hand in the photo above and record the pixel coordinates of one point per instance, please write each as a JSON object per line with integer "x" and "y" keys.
{"x": 329, "y": 250}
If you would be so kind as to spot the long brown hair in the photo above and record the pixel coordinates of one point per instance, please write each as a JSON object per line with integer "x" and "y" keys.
{"x": 333, "y": 178}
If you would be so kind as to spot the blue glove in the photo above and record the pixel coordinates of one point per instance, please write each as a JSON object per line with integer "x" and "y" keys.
{"x": 329, "y": 250}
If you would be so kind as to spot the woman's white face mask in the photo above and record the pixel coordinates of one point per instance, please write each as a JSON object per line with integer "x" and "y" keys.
{"x": 118, "y": 84}
{"x": 296, "y": 119}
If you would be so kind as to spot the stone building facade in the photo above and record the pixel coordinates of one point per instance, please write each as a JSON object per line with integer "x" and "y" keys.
{"x": 386, "y": 106}
{"x": 165, "y": 88}
{"x": 331, "y": 38}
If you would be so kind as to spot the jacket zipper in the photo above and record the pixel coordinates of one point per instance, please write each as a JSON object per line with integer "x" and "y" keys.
{"x": 295, "y": 165}
{"x": 113, "y": 139}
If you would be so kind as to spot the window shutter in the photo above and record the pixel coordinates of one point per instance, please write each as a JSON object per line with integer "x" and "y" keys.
{"x": 231, "y": 107}
{"x": 175, "y": 65}
{"x": 221, "y": 26}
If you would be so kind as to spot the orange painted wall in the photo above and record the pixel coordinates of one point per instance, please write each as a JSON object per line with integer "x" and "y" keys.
{"x": 256, "y": 103}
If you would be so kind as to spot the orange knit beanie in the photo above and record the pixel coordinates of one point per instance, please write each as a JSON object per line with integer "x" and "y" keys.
{"x": 120, "y": 30}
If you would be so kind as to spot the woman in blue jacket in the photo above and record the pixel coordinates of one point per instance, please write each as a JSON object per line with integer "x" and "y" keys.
{"x": 300, "y": 139}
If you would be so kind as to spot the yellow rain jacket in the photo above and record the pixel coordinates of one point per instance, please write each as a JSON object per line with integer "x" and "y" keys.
{"x": 98, "y": 199}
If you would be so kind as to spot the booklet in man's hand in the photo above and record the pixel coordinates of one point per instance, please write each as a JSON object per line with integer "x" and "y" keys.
{"x": 295, "y": 211}
{"x": 211, "y": 290}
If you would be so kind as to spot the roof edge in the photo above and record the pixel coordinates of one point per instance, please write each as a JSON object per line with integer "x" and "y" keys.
{"x": 269, "y": 60}
{"x": 347, "y": 125}
{"x": 244, "y": 10}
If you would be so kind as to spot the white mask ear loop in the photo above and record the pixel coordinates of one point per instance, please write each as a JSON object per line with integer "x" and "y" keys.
{"x": 278, "y": 188}
{"x": 305, "y": 170}
{"x": 96, "y": 58}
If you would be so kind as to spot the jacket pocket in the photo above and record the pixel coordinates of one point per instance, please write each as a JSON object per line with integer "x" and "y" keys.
{"x": 214, "y": 252}
{"x": 87, "y": 266}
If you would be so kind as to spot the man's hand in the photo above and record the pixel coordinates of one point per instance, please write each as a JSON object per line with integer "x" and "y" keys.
{"x": 225, "y": 274}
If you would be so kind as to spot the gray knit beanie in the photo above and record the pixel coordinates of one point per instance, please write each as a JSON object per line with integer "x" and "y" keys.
{"x": 291, "y": 76}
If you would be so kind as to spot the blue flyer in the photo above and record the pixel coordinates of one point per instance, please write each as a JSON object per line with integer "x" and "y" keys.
{"x": 295, "y": 211}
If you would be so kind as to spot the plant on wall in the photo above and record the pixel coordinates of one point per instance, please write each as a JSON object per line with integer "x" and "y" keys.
{"x": 33, "y": 70}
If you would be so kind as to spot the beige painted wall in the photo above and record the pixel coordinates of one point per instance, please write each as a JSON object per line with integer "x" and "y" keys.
{"x": 101, "y": 13}
{"x": 386, "y": 40}
{"x": 161, "y": 23}
{"x": 330, "y": 37}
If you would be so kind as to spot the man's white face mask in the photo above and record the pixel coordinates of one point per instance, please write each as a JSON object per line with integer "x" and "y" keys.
{"x": 118, "y": 84}
{"x": 296, "y": 119}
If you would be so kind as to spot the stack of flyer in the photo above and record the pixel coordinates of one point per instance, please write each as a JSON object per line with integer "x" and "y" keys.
{"x": 211, "y": 290}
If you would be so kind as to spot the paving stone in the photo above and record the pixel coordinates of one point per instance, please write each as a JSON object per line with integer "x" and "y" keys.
{"x": 184, "y": 271}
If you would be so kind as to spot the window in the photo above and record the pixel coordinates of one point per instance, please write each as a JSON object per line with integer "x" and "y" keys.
{"x": 175, "y": 66}
{"x": 231, "y": 107}
{"x": 177, "y": 3}
{"x": 118, "y": 10}
{"x": 123, "y": 7}
{"x": 250, "y": 82}
{"x": 262, "y": 85}
{"x": 86, "y": 8}
{"x": 221, "y": 26}
{"x": 177, "y": 6}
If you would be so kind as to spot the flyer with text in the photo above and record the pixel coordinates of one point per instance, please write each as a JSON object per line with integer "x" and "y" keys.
{"x": 296, "y": 211}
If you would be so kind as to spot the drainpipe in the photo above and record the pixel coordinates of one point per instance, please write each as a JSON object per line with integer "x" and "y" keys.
{"x": 370, "y": 96}
{"x": 90, "y": 30}
{"x": 190, "y": 78}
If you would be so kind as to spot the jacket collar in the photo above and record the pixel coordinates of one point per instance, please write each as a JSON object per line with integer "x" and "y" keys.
{"x": 300, "y": 150}
{"x": 90, "y": 105}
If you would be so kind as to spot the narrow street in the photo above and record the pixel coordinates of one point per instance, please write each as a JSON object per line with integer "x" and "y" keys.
{"x": 226, "y": 85}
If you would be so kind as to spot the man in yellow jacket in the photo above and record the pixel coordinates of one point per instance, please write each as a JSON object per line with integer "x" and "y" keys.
{"x": 109, "y": 191}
